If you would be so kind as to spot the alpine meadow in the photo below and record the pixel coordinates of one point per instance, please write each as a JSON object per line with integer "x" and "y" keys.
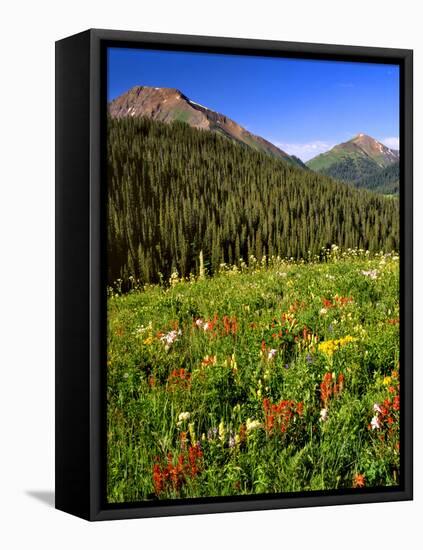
{"x": 253, "y": 294}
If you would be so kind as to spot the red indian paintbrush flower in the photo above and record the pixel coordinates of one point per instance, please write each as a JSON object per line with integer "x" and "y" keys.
{"x": 331, "y": 386}
{"x": 173, "y": 475}
{"x": 279, "y": 416}
{"x": 359, "y": 481}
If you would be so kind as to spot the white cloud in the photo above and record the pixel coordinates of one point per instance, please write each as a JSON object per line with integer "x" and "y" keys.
{"x": 305, "y": 151}
{"x": 391, "y": 142}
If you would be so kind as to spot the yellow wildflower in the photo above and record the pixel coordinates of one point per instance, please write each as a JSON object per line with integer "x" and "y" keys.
{"x": 222, "y": 430}
{"x": 252, "y": 424}
{"x": 328, "y": 347}
{"x": 191, "y": 430}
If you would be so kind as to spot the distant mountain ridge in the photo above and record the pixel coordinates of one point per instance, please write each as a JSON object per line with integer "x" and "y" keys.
{"x": 356, "y": 160}
{"x": 170, "y": 104}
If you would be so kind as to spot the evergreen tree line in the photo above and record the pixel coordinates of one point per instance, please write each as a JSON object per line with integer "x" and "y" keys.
{"x": 352, "y": 169}
{"x": 174, "y": 191}
{"x": 385, "y": 181}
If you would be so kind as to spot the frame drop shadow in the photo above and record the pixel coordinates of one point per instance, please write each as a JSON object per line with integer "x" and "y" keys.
{"x": 46, "y": 497}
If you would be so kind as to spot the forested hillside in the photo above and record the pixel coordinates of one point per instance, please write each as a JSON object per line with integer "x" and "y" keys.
{"x": 174, "y": 191}
{"x": 385, "y": 181}
{"x": 350, "y": 169}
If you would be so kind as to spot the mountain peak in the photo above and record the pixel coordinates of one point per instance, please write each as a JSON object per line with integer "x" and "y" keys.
{"x": 366, "y": 140}
{"x": 148, "y": 94}
{"x": 362, "y": 137}
{"x": 163, "y": 104}
{"x": 360, "y": 157}
{"x": 159, "y": 91}
{"x": 376, "y": 150}
{"x": 170, "y": 105}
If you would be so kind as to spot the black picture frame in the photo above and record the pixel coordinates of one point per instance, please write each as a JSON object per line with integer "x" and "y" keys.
{"x": 80, "y": 274}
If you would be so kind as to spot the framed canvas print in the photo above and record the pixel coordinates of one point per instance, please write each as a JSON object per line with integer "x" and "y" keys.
{"x": 233, "y": 274}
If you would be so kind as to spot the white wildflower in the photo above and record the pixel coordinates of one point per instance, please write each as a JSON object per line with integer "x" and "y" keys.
{"x": 323, "y": 415}
{"x": 141, "y": 329}
{"x": 183, "y": 416}
{"x": 271, "y": 354}
{"x": 375, "y": 423}
{"x": 170, "y": 337}
{"x": 371, "y": 273}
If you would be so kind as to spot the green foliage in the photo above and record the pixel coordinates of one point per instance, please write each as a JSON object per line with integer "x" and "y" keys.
{"x": 191, "y": 366}
{"x": 174, "y": 191}
{"x": 351, "y": 169}
{"x": 385, "y": 181}
{"x": 364, "y": 173}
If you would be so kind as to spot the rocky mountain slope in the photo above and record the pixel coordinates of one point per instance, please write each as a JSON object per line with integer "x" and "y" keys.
{"x": 169, "y": 104}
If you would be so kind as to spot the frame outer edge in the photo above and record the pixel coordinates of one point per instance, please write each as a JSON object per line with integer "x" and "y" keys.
{"x": 72, "y": 392}
{"x": 96, "y": 470}
{"x": 407, "y": 285}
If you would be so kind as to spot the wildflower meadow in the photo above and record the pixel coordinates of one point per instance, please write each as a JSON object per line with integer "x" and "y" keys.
{"x": 270, "y": 376}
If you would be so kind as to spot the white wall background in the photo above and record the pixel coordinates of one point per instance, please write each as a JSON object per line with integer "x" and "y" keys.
{"x": 28, "y": 31}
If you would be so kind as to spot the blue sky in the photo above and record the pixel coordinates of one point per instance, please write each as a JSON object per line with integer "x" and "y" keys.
{"x": 303, "y": 106}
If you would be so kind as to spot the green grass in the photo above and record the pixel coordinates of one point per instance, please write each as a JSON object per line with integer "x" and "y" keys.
{"x": 181, "y": 115}
{"x": 228, "y": 444}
